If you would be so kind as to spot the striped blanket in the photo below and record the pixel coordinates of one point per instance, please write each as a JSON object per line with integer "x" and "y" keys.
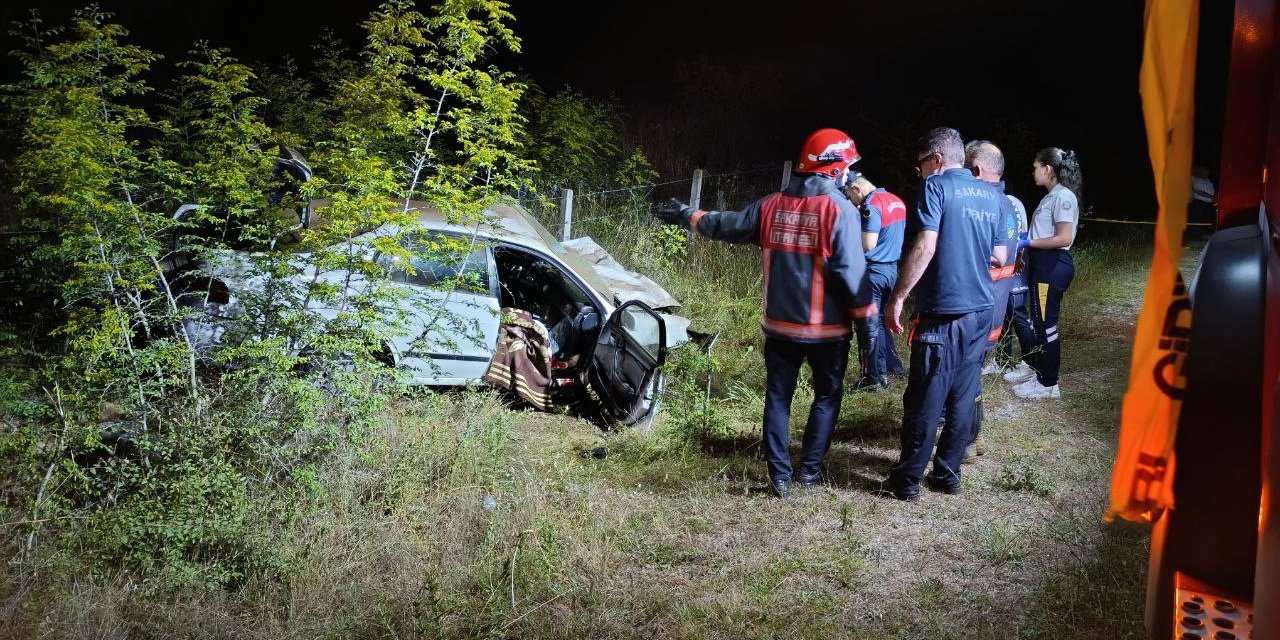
{"x": 522, "y": 362}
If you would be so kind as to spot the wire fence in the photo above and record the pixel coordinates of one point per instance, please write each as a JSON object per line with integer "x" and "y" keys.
{"x": 564, "y": 209}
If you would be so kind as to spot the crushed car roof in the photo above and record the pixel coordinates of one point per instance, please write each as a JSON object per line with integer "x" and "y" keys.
{"x": 510, "y": 222}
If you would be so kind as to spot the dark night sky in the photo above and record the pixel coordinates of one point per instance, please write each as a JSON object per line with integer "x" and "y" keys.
{"x": 1067, "y": 68}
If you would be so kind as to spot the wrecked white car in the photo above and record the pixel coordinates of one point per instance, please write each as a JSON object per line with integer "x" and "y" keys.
{"x": 605, "y": 336}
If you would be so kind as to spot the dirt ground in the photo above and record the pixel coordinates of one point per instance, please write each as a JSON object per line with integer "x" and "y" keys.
{"x": 694, "y": 547}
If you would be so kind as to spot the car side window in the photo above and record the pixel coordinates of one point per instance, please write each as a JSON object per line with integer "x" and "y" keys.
{"x": 643, "y": 327}
{"x": 445, "y": 263}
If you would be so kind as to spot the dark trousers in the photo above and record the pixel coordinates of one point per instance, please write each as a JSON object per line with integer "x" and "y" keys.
{"x": 1000, "y": 290}
{"x": 946, "y": 359}
{"x": 877, "y": 355}
{"x": 1017, "y": 321}
{"x": 1049, "y": 274}
{"x": 782, "y": 360}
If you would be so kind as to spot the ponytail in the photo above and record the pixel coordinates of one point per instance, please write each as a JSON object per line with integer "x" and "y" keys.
{"x": 1066, "y": 168}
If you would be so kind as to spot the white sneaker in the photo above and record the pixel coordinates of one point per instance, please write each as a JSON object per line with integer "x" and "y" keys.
{"x": 1020, "y": 373}
{"x": 1033, "y": 390}
{"x": 1025, "y": 384}
{"x": 992, "y": 368}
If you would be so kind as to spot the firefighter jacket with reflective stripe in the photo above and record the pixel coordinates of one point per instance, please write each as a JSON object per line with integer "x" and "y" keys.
{"x": 815, "y": 272}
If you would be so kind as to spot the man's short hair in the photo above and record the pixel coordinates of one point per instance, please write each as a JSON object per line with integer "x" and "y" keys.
{"x": 944, "y": 141}
{"x": 864, "y": 184}
{"x": 986, "y": 155}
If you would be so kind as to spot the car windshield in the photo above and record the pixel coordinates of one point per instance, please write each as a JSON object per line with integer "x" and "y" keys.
{"x": 575, "y": 262}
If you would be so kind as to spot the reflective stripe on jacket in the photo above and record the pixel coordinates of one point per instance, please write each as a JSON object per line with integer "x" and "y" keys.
{"x": 815, "y": 272}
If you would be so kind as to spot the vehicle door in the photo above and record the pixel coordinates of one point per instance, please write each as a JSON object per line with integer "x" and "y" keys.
{"x": 450, "y": 309}
{"x": 623, "y": 371}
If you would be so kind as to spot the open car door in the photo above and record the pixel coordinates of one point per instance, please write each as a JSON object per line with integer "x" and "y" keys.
{"x": 623, "y": 371}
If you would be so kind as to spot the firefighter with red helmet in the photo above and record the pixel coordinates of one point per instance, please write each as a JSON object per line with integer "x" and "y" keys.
{"x": 815, "y": 283}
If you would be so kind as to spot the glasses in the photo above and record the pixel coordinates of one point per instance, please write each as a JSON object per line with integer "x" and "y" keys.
{"x": 922, "y": 160}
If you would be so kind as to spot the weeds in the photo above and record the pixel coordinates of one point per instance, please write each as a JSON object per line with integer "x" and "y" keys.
{"x": 449, "y": 515}
{"x": 666, "y": 535}
{"x": 1023, "y": 474}
{"x": 1002, "y": 543}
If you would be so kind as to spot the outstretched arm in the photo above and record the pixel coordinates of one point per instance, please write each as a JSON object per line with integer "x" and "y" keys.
{"x": 736, "y": 227}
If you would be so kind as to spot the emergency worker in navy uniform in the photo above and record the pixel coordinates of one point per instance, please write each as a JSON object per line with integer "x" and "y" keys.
{"x": 815, "y": 283}
{"x": 956, "y": 232}
{"x": 985, "y": 160}
{"x": 884, "y": 216}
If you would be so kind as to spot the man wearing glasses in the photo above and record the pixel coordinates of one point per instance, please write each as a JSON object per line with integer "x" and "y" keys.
{"x": 957, "y": 235}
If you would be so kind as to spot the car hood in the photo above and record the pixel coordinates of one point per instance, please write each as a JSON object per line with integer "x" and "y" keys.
{"x": 625, "y": 284}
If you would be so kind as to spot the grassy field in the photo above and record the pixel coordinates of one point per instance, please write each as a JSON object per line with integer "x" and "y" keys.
{"x": 472, "y": 519}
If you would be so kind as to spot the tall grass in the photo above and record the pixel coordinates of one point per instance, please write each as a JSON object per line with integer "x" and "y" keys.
{"x": 469, "y": 519}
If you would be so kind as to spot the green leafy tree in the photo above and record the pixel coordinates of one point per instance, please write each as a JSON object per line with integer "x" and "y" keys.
{"x": 136, "y": 449}
{"x": 87, "y": 188}
{"x": 575, "y": 140}
{"x": 82, "y": 183}
{"x": 290, "y": 107}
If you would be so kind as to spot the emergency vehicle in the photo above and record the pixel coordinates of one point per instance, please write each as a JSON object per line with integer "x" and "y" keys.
{"x": 1207, "y": 361}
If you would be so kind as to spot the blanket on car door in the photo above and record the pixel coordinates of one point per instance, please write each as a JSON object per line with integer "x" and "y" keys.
{"x": 522, "y": 362}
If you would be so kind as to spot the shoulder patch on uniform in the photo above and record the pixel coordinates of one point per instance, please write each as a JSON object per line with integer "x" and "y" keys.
{"x": 866, "y": 211}
{"x": 1067, "y": 204}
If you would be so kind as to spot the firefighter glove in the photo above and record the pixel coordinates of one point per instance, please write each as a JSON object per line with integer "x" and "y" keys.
{"x": 673, "y": 212}
{"x": 1023, "y": 241}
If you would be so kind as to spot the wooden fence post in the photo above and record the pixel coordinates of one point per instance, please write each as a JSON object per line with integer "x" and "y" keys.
{"x": 695, "y": 200}
{"x": 566, "y": 214}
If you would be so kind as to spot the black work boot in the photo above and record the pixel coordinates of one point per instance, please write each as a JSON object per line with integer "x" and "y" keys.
{"x": 781, "y": 488}
{"x": 869, "y": 385}
{"x": 944, "y": 486}
{"x": 823, "y": 475}
{"x": 900, "y": 490}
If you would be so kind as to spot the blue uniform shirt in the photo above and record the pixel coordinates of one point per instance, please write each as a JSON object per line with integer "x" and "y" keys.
{"x": 885, "y": 214}
{"x": 1010, "y": 224}
{"x": 966, "y": 214}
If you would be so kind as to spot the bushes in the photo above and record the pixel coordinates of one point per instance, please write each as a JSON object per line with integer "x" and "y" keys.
{"x": 128, "y": 455}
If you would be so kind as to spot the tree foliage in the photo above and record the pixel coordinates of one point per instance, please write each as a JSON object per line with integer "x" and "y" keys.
{"x": 127, "y": 445}
{"x": 577, "y": 139}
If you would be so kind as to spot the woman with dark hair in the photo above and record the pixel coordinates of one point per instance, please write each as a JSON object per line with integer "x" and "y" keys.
{"x": 1049, "y": 268}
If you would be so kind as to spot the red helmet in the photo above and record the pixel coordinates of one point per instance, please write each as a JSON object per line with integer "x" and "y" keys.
{"x": 827, "y": 151}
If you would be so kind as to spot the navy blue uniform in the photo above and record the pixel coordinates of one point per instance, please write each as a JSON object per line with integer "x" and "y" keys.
{"x": 953, "y": 320}
{"x": 1015, "y": 314}
{"x": 1049, "y": 275}
{"x": 1002, "y": 275}
{"x": 1018, "y": 318}
{"x": 884, "y": 214}
{"x": 815, "y": 284}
